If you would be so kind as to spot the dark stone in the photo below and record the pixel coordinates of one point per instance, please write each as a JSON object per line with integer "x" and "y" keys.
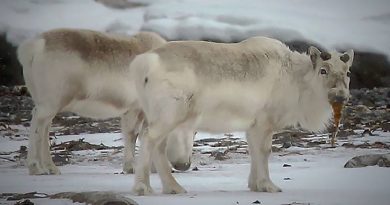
{"x": 384, "y": 162}
{"x": 286, "y": 165}
{"x": 386, "y": 127}
{"x": 302, "y": 46}
{"x": 274, "y": 149}
{"x": 369, "y": 160}
{"x": 315, "y": 143}
{"x": 24, "y": 202}
{"x": 61, "y": 159}
{"x": 256, "y": 202}
{"x": 29, "y": 195}
{"x": 121, "y": 4}
{"x": 370, "y": 70}
{"x": 95, "y": 198}
{"x": 218, "y": 155}
{"x": 286, "y": 145}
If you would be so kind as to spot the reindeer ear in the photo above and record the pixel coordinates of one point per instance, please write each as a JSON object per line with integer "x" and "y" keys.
{"x": 314, "y": 54}
{"x": 325, "y": 56}
{"x": 347, "y": 57}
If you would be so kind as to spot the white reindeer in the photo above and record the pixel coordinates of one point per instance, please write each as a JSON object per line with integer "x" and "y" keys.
{"x": 87, "y": 72}
{"x": 259, "y": 86}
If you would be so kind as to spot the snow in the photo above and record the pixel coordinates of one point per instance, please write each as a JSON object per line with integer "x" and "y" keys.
{"x": 111, "y": 140}
{"x": 334, "y": 24}
{"x": 24, "y": 19}
{"x": 316, "y": 176}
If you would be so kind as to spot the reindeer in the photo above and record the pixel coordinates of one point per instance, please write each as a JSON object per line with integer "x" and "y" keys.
{"x": 258, "y": 86}
{"x": 87, "y": 72}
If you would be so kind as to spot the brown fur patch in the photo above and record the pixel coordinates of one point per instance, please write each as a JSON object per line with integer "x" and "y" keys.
{"x": 325, "y": 56}
{"x": 93, "y": 46}
{"x": 344, "y": 58}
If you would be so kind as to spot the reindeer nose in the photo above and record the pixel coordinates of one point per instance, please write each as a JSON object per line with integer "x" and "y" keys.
{"x": 182, "y": 166}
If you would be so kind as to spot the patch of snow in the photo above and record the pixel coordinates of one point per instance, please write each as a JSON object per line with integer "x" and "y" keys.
{"x": 316, "y": 176}
{"x": 205, "y": 135}
{"x": 320, "y": 180}
{"x": 334, "y": 24}
{"x": 108, "y": 139}
{"x": 24, "y": 19}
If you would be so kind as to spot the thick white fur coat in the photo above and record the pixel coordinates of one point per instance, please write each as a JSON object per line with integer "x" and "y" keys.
{"x": 258, "y": 86}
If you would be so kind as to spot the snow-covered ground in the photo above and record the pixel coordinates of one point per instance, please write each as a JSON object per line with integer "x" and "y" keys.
{"x": 359, "y": 24}
{"x": 316, "y": 176}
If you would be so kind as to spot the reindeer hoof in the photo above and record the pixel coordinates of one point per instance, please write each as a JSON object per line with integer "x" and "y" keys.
{"x": 128, "y": 168}
{"x": 264, "y": 186}
{"x": 52, "y": 169}
{"x": 142, "y": 189}
{"x": 35, "y": 168}
{"x": 174, "y": 190}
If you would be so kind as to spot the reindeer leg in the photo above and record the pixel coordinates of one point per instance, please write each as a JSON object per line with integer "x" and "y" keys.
{"x": 39, "y": 160}
{"x": 170, "y": 185}
{"x": 260, "y": 142}
{"x": 130, "y": 123}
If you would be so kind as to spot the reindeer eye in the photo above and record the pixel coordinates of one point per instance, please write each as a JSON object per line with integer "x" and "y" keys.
{"x": 348, "y": 74}
{"x": 323, "y": 71}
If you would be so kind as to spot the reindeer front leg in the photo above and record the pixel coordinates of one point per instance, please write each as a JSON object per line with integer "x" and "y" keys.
{"x": 260, "y": 143}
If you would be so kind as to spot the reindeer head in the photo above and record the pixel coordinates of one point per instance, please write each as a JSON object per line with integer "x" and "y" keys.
{"x": 332, "y": 70}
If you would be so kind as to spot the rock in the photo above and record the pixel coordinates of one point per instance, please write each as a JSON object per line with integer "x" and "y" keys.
{"x": 315, "y": 143}
{"x": 274, "y": 149}
{"x": 362, "y": 109}
{"x": 286, "y": 165}
{"x": 29, "y": 195}
{"x": 384, "y": 161}
{"x": 95, "y": 198}
{"x": 121, "y": 4}
{"x": 286, "y": 145}
{"x": 343, "y": 134}
{"x": 219, "y": 155}
{"x": 256, "y": 202}
{"x": 61, "y": 159}
{"x": 302, "y": 46}
{"x": 385, "y": 127}
{"x": 369, "y": 160}
{"x": 24, "y": 202}
{"x": 370, "y": 70}
{"x": 77, "y": 145}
